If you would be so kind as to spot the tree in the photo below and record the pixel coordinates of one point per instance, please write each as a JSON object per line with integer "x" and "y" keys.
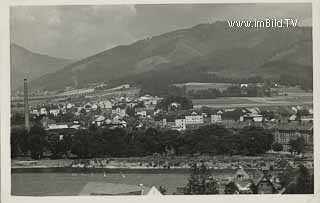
{"x": 58, "y": 147}
{"x": 277, "y": 147}
{"x": 38, "y": 141}
{"x": 184, "y": 102}
{"x": 255, "y": 140}
{"x": 297, "y": 145}
{"x": 231, "y": 188}
{"x": 299, "y": 181}
{"x": 80, "y": 145}
{"x": 162, "y": 190}
{"x": 201, "y": 181}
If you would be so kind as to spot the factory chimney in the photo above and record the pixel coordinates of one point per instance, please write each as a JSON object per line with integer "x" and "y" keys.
{"x": 26, "y": 106}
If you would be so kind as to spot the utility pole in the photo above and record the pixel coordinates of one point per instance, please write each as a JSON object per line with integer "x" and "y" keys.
{"x": 26, "y": 106}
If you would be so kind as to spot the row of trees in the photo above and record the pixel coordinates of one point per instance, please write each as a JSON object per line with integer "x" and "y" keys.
{"x": 97, "y": 142}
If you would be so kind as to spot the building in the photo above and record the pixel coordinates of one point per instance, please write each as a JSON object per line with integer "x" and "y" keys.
{"x": 285, "y": 132}
{"x": 141, "y": 112}
{"x": 194, "y": 118}
{"x": 105, "y": 104}
{"x": 255, "y": 182}
{"x": 99, "y": 120}
{"x": 119, "y": 110}
{"x": 180, "y": 124}
{"x": 43, "y": 111}
{"x": 216, "y": 118}
{"x": 251, "y": 117}
{"x": 263, "y": 185}
{"x": 57, "y": 126}
{"x": 35, "y": 112}
{"x": 45, "y": 121}
{"x": 54, "y": 112}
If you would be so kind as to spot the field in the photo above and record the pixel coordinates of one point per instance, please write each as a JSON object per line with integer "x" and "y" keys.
{"x": 204, "y": 86}
{"x": 233, "y": 102}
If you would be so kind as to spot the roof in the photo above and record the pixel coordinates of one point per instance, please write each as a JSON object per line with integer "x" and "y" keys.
{"x": 154, "y": 192}
{"x": 103, "y": 188}
{"x": 241, "y": 172}
{"x": 294, "y": 126}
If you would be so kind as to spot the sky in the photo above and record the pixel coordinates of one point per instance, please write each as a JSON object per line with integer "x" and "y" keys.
{"x": 75, "y": 32}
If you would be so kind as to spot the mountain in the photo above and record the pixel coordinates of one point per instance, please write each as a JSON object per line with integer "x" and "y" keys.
{"x": 205, "y": 52}
{"x": 27, "y": 64}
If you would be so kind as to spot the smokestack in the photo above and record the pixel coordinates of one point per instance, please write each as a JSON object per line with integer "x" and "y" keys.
{"x": 26, "y": 106}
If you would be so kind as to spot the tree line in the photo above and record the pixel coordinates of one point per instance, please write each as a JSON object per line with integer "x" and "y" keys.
{"x": 103, "y": 142}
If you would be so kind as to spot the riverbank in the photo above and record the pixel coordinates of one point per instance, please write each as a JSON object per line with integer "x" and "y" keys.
{"x": 160, "y": 162}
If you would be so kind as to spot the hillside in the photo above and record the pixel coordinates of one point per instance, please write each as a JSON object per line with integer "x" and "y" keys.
{"x": 206, "y": 52}
{"x": 27, "y": 64}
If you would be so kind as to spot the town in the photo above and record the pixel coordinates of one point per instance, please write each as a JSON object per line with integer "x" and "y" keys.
{"x": 122, "y": 127}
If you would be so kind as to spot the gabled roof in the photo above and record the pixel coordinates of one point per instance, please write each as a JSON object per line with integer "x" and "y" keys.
{"x": 154, "y": 192}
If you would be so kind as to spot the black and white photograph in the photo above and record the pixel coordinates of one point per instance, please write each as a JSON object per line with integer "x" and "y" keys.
{"x": 161, "y": 99}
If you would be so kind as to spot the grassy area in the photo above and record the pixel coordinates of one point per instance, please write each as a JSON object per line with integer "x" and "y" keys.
{"x": 233, "y": 102}
{"x": 204, "y": 86}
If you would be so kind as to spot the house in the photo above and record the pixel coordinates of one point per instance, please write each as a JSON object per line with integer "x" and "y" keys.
{"x": 216, "y": 118}
{"x": 256, "y": 182}
{"x": 69, "y": 106}
{"x": 54, "y": 112}
{"x": 263, "y": 185}
{"x": 194, "y": 118}
{"x": 119, "y": 110}
{"x": 243, "y": 181}
{"x": 251, "y": 117}
{"x": 292, "y": 117}
{"x": 35, "y": 112}
{"x": 180, "y": 124}
{"x": 43, "y": 111}
{"x": 99, "y": 120}
{"x": 243, "y": 85}
{"x": 141, "y": 112}
{"x": 174, "y": 105}
{"x": 88, "y": 107}
{"x": 45, "y": 121}
{"x": 94, "y": 107}
{"x": 105, "y": 104}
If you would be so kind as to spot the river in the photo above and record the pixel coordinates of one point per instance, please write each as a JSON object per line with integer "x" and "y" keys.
{"x": 69, "y": 181}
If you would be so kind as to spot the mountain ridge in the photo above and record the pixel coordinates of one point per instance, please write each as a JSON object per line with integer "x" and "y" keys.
{"x": 31, "y": 65}
{"x": 212, "y": 47}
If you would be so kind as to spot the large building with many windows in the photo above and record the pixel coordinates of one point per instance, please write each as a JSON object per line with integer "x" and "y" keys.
{"x": 285, "y": 132}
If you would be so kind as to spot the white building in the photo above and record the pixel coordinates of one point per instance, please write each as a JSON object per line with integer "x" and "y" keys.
{"x": 99, "y": 120}
{"x": 142, "y": 113}
{"x": 35, "y": 112}
{"x": 216, "y": 118}
{"x": 251, "y": 117}
{"x": 54, "y": 112}
{"x": 43, "y": 111}
{"x": 69, "y": 106}
{"x": 181, "y": 124}
{"x": 119, "y": 111}
{"x": 57, "y": 126}
{"x": 194, "y": 118}
{"x": 105, "y": 104}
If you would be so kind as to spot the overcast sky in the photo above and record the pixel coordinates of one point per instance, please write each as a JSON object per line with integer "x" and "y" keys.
{"x": 80, "y": 31}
